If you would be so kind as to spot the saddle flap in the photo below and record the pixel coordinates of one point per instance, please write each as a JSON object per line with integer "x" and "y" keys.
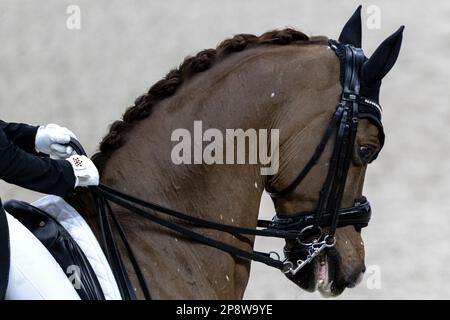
{"x": 60, "y": 244}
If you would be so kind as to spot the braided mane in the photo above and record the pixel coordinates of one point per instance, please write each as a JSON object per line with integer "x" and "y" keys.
{"x": 191, "y": 66}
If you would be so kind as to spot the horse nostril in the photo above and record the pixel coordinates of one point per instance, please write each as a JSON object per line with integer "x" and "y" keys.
{"x": 363, "y": 269}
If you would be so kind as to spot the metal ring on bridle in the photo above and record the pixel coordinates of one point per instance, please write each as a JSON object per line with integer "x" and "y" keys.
{"x": 314, "y": 239}
{"x": 326, "y": 240}
{"x": 277, "y": 256}
{"x": 288, "y": 267}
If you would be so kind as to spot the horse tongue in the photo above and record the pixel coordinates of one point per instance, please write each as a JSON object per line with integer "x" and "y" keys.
{"x": 321, "y": 269}
{"x": 323, "y": 283}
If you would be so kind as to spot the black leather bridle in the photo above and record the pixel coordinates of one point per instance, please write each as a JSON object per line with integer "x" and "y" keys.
{"x": 328, "y": 213}
{"x": 305, "y": 229}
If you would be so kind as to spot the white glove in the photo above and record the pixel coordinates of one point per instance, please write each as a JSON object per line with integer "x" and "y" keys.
{"x": 51, "y": 140}
{"x": 86, "y": 174}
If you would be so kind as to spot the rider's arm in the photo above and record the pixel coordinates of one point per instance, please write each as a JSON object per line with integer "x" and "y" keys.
{"x": 29, "y": 171}
{"x": 20, "y": 134}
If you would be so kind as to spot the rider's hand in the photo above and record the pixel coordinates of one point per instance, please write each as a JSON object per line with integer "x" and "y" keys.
{"x": 52, "y": 139}
{"x": 86, "y": 174}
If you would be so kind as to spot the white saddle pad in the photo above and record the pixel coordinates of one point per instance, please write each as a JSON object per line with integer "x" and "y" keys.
{"x": 34, "y": 274}
{"x": 77, "y": 227}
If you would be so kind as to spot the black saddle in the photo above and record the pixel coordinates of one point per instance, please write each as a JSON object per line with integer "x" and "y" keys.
{"x": 60, "y": 244}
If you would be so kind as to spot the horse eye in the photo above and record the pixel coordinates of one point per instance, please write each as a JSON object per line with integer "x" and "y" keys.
{"x": 366, "y": 152}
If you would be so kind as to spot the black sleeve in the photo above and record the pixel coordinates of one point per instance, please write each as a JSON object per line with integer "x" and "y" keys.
{"x": 33, "y": 172}
{"x": 22, "y": 135}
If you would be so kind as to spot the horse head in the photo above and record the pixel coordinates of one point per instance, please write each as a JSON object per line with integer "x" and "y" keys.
{"x": 330, "y": 188}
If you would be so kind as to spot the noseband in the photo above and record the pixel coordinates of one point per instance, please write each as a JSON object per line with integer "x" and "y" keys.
{"x": 304, "y": 229}
{"x": 344, "y": 122}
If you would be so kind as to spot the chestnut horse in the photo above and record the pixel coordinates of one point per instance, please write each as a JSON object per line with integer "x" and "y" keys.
{"x": 280, "y": 80}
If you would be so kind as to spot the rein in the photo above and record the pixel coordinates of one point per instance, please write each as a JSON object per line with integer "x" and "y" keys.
{"x": 103, "y": 195}
{"x": 305, "y": 228}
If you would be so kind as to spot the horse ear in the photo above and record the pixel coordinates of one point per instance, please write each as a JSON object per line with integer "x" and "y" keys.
{"x": 351, "y": 33}
{"x": 383, "y": 59}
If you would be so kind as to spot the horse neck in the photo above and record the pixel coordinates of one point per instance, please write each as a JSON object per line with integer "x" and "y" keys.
{"x": 238, "y": 93}
{"x": 175, "y": 267}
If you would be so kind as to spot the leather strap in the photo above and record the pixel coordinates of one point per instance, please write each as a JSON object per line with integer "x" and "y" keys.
{"x": 112, "y": 253}
{"x": 313, "y": 160}
{"x": 256, "y": 256}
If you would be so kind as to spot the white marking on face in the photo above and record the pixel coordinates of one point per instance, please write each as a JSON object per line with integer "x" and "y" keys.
{"x": 256, "y": 185}
{"x": 228, "y": 278}
{"x": 272, "y": 94}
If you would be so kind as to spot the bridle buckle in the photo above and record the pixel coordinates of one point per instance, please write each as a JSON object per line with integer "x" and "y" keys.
{"x": 350, "y": 96}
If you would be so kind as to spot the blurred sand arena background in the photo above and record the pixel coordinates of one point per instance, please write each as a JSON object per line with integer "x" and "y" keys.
{"x": 84, "y": 79}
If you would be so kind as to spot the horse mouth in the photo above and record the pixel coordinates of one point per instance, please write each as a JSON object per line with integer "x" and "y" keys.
{"x": 323, "y": 279}
{"x": 328, "y": 278}
{"x": 324, "y": 274}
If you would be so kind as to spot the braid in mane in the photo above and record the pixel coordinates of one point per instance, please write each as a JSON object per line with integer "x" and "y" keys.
{"x": 191, "y": 66}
